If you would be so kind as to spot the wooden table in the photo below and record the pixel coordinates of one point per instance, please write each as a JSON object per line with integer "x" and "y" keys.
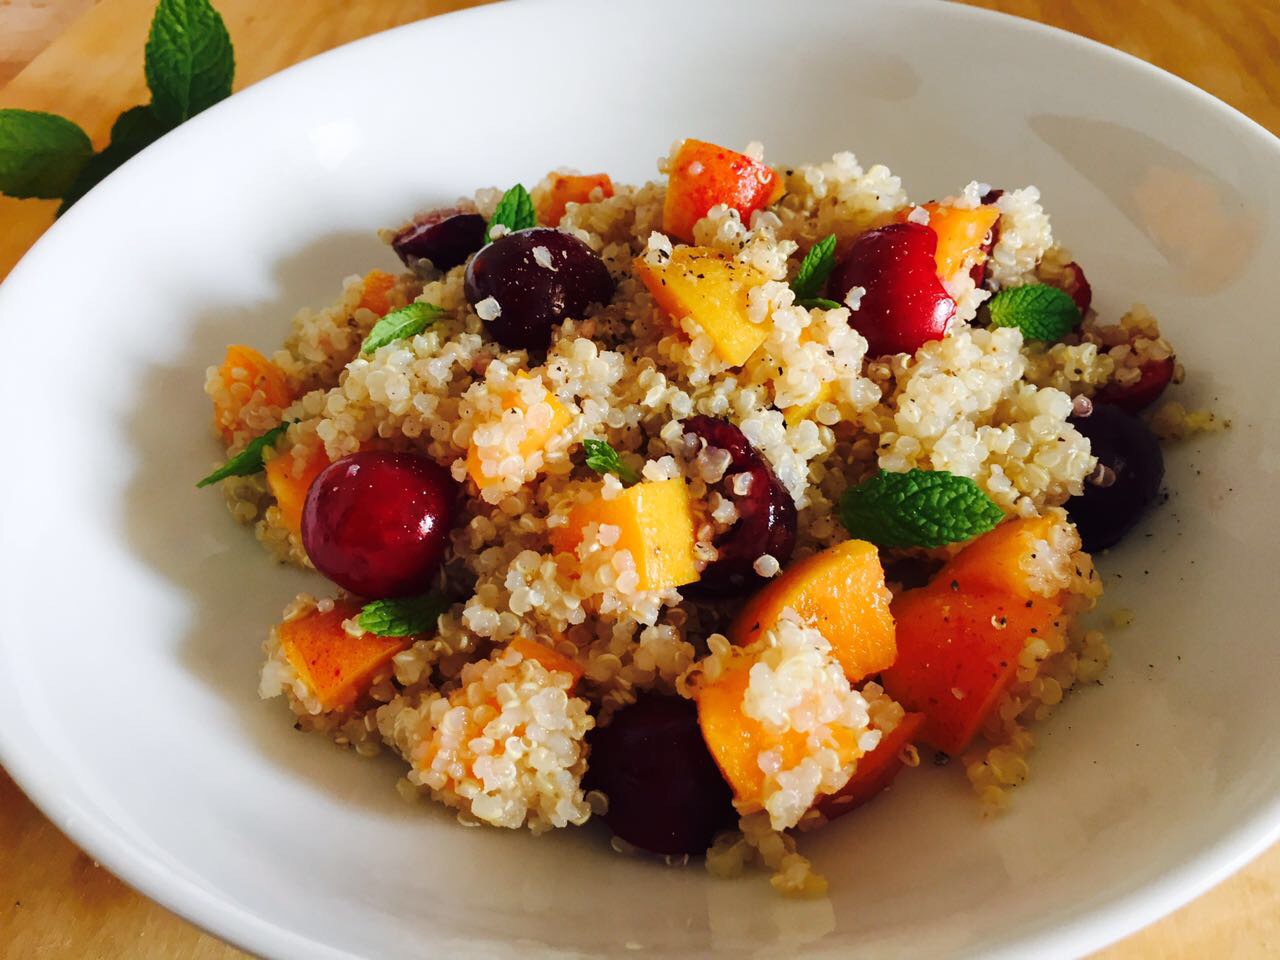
{"x": 54, "y": 901}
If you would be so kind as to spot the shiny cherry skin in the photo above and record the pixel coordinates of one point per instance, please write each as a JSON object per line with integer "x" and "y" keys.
{"x": 766, "y": 513}
{"x": 377, "y": 523}
{"x": 538, "y": 277}
{"x": 1103, "y": 514}
{"x": 905, "y": 304}
{"x": 445, "y": 237}
{"x": 666, "y": 794}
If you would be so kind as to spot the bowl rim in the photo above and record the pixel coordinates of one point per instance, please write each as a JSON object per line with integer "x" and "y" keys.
{"x": 1081, "y": 930}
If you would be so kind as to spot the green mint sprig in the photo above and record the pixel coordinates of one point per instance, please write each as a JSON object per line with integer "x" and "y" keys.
{"x": 403, "y": 616}
{"x": 40, "y": 154}
{"x": 814, "y": 270}
{"x": 603, "y": 459}
{"x": 189, "y": 66}
{"x": 401, "y": 324}
{"x": 249, "y": 460}
{"x": 190, "y": 63}
{"x": 514, "y": 211}
{"x": 821, "y": 302}
{"x": 1040, "y": 311}
{"x": 919, "y": 508}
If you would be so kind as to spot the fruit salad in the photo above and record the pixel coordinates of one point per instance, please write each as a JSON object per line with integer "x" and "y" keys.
{"x": 703, "y": 508}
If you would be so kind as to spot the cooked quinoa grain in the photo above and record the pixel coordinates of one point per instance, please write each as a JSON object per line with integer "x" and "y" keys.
{"x": 573, "y": 586}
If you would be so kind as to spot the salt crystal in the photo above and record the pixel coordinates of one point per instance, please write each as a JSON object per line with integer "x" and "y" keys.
{"x": 489, "y": 309}
{"x": 766, "y": 565}
{"x": 542, "y": 256}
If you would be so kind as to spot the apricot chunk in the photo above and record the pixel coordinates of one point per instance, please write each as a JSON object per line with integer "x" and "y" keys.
{"x": 961, "y": 232}
{"x": 655, "y": 524}
{"x": 553, "y": 660}
{"x": 958, "y": 652}
{"x": 565, "y": 188}
{"x": 376, "y": 295}
{"x": 1002, "y": 559}
{"x": 703, "y": 175}
{"x": 711, "y": 287}
{"x": 245, "y": 373}
{"x": 335, "y": 666}
{"x": 289, "y": 483}
{"x": 736, "y": 740}
{"x": 841, "y": 591}
{"x": 806, "y": 411}
{"x": 535, "y": 433}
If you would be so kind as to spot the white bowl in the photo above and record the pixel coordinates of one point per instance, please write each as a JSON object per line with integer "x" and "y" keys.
{"x": 134, "y": 606}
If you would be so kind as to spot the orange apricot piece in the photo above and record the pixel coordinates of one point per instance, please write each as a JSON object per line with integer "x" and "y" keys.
{"x": 376, "y": 295}
{"x": 703, "y": 175}
{"x": 841, "y": 591}
{"x": 566, "y": 188}
{"x": 961, "y": 232}
{"x": 289, "y": 483}
{"x": 245, "y": 365}
{"x": 655, "y": 523}
{"x": 958, "y": 652}
{"x": 553, "y": 660}
{"x": 336, "y": 666}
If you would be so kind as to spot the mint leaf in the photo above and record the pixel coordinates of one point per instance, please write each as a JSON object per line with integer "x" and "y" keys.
{"x": 514, "y": 211}
{"x": 136, "y": 128}
{"x": 815, "y": 268}
{"x": 822, "y": 302}
{"x": 1040, "y": 311}
{"x": 603, "y": 459}
{"x": 403, "y": 616}
{"x": 919, "y": 508}
{"x": 133, "y": 130}
{"x": 249, "y": 460}
{"x": 41, "y": 154}
{"x": 400, "y": 324}
{"x": 189, "y": 61}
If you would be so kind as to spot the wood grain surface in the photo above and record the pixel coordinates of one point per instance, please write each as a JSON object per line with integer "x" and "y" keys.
{"x": 28, "y": 26}
{"x": 54, "y": 901}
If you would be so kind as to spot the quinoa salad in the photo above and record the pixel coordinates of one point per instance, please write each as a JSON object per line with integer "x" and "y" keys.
{"x": 705, "y": 507}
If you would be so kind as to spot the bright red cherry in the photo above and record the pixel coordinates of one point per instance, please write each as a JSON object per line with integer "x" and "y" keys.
{"x": 905, "y": 304}
{"x": 377, "y": 523}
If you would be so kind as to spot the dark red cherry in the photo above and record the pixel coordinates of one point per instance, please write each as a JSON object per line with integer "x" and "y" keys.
{"x": 766, "y": 521}
{"x": 445, "y": 237}
{"x": 1128, "y": 481}
{"x": 536, "y": 278}
{"x": 665, "y": 792}
{"x": 377, "y": 523}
